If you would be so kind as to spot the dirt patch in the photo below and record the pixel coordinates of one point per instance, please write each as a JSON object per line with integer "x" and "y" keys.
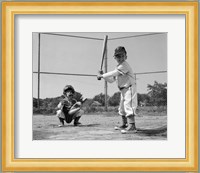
{"x": 97, "y": 127}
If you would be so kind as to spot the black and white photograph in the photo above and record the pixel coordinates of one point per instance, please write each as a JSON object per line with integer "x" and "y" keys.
{"x": 99, "y": 85}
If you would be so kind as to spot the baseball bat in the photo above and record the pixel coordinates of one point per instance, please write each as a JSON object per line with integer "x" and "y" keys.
{"x": 103, "y": 55}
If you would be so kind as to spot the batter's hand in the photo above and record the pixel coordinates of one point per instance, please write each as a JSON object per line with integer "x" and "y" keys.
{"x": 99, "y": 76}
{"x": 100, "y": 71}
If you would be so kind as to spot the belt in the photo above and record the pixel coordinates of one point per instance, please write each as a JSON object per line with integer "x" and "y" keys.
{"x": 121, "y": 88}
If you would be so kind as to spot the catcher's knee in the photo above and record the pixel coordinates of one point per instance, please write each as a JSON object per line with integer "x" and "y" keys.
{"x": 59, "y": 113}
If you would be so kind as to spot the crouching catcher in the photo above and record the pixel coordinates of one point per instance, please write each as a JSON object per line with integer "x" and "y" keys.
{"x": 69, "y": 109}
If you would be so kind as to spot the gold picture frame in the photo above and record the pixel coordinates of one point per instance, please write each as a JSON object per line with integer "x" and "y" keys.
{"x": 10, "y": 9}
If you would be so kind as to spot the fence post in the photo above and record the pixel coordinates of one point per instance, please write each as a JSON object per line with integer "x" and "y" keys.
{"x": 106, "y": 83}
{"x": 38, "y": 100}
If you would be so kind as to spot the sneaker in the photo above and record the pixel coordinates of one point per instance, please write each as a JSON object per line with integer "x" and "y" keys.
{"x": 76, "y": 121}
{"x": 124, "y": 131}
{"x": 130, "y": 129}
{"x": 77, "y": 124}
{"x": 120, "y": 127}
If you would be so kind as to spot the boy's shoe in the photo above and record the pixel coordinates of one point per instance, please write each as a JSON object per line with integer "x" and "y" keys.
{"x": 61, "y": 122}
{"x": 120, "y": 127}
{"x": 124, "y": 131}
{"x": 77, "y": 124}
{"x": 130, "y": 129}
{"x": 76, "y": 121}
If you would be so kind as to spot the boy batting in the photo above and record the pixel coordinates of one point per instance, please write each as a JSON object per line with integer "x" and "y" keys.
{"x": 125, "y": 79}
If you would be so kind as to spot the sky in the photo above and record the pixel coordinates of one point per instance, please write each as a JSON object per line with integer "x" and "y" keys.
{"x": 64, "y": 54}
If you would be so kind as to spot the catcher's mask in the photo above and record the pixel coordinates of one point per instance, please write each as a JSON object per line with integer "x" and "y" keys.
{"x": 67, "y": 88}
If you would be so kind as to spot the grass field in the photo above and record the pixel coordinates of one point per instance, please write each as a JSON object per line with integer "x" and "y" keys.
{"x": 99, "y": 127}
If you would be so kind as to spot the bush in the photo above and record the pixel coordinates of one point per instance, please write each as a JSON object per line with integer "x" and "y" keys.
{"x": 152, "y": 109}
{"x": 36, "y": 111}
{"x": 44, "y": 111}
{"x": 94, "y": 109}
{"x": 99, "y": 109}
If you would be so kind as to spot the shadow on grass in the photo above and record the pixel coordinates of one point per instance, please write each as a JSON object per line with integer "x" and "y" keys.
{"x": 153, "y": 131}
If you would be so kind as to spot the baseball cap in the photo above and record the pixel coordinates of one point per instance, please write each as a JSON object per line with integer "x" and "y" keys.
{"x": 119, "y": 50}
{"x": 68, "y": 87}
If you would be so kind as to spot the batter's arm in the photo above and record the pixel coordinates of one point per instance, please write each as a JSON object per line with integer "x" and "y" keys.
{"x": 113, "y": 73}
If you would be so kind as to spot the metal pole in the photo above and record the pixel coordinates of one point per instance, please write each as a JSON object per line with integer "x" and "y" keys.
{"x": 38, "y": 101}
{"x": 136, "y": 87}
{"x": 106, "y": 83}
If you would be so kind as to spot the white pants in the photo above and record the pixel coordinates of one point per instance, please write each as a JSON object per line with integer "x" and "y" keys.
{"x": 128, "y": 102}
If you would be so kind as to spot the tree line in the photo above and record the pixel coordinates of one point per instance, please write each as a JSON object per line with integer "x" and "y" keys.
{"x": 156, "y": 96}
